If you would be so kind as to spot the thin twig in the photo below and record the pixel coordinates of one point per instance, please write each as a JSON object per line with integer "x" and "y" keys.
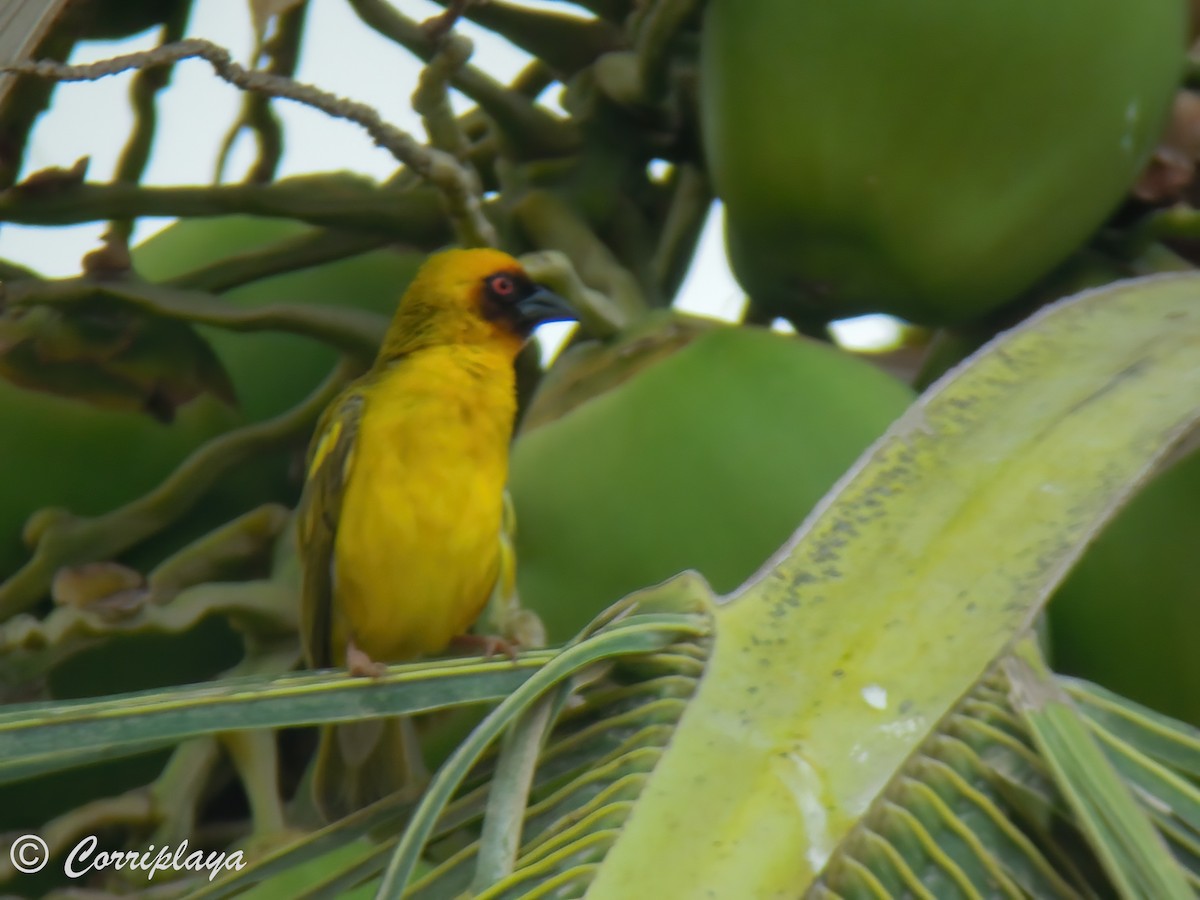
{"x": 442, "y": 24}
{"x": 257, "y": 113}
{"x": 533, "y": 79}
{"x": 691, "y": 199}
{"x": 143, "y": 95}
{"x": 564, "y": 41}
{"x": 437, "y": 167}
{"x": 534, "y": 129}
{"x": 655, "y": 32}
{"x": 355, "y": 332}
{"x": 431, "y": 99}
{"x": 615, "y": 11}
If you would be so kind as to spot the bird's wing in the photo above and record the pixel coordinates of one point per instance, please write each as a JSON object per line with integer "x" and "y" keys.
{"x": 505, "y": 616}
{"x": 330, "y": 459}
{"x": 506, "y": 580}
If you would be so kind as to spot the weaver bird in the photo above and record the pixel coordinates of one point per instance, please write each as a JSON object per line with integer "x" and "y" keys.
{"x": 401, "y": 523}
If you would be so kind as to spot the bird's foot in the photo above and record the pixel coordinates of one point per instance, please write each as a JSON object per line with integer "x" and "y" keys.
{"x": 485, "y": 645}
{"x": 360, "y": 665}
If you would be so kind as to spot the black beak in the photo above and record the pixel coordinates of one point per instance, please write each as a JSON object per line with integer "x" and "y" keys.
{"x": 543, "y": 305}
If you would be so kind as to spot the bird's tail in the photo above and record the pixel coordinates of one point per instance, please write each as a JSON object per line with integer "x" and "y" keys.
{"x": 360, "y": 762}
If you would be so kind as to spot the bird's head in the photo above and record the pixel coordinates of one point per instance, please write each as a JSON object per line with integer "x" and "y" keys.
{"x": 472, "y": 297}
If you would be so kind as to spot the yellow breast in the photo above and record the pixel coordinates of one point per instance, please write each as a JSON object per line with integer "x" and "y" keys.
{"x": 418, "y": 538}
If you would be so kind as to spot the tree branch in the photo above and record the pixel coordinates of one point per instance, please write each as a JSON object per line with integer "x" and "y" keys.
{"x": 431, "y": 101}
{"x": 143, "y": 95}
{"x": 534, "y": 130}
{"x": 565, "y": 42}
{"x": 304, "y": 251}
{"x": 435, "y": 166}
{"x": 353, "y": 331}
{"x": 691, "y": 199}
{"x": 257, "y": 114}
{"x": 333, "y": 200}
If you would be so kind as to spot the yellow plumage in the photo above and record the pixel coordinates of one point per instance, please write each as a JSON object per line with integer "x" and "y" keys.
{"x": 435, "y": 486}
{"x": 401, "y": 522}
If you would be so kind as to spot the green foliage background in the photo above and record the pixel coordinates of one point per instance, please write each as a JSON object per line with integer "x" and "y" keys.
{"x": 156, "y": 407}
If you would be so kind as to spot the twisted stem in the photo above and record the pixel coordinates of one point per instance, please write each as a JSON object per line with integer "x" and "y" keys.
{"x": 437, "y": 167}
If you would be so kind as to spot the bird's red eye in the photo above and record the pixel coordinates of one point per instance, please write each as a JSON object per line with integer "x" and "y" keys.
{"x": 502, "y": 285}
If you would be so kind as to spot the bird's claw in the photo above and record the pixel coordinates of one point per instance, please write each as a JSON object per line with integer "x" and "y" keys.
{"x": 486, "y": 645}
{"x": 360, "y": 665}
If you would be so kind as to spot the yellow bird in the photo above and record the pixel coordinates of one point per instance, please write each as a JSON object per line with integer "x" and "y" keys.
{"x": 402, "y": 516}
